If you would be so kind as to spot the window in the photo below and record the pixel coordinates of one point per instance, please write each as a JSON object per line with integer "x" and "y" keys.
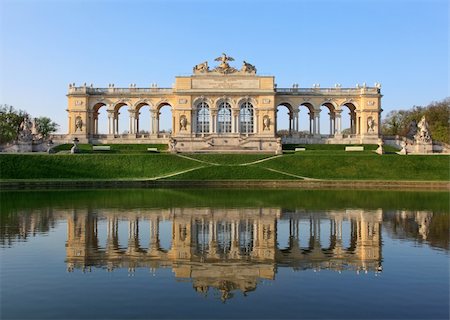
{"x": 246, "y": 118}
{"x": 224, "y": 118}
{"x": 203, "y": 118}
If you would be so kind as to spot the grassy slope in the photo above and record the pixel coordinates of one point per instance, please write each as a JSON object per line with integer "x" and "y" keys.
{"x": 95, "y": 166}
{"x": 229, "y": 159}
{"x": 231, "y": 173}
{"x": 320, "y": 164}
{"x": 361, "y": 166}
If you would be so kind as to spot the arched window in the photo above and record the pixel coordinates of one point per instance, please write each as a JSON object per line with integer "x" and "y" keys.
{"x": 203, "y": 118}
{"x": 246, "y": 118}
{"x": 224, "y": 118}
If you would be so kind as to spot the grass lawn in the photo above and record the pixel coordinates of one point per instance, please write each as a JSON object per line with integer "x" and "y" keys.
{"x": 231, "y": 173}
{"x": 360, "y": 166}
{"x": 229, "y": 159}
{"x": 130, "y": 162}
{"x": 91, "y": 166}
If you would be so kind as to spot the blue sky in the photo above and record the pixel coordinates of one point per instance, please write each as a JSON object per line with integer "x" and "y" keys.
{"x": 45, "y": 45}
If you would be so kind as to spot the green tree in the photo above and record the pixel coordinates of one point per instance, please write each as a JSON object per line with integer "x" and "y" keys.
{"x": 45, "y": 126}
{"x": 438, "y": 118}
{"x": 398, "y": 122}
{"x": 10, "y": 120}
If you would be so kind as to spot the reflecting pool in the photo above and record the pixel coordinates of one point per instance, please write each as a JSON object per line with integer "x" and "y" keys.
{"x": 224, "y": 254}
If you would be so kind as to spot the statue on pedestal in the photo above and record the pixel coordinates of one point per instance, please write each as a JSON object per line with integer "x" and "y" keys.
{"x": 423, "y": 134}
{"x": 75, "y": 149}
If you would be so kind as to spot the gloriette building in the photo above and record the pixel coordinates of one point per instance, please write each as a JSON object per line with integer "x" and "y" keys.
{"x": 225, "y": 109}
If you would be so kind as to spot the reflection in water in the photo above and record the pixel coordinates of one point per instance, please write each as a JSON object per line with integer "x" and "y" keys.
{"x": 223, "y": 249}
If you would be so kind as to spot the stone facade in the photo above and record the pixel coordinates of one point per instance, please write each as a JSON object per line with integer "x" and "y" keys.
{"x": 225, "y": 109}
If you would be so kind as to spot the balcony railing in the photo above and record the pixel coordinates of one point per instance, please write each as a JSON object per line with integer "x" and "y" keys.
{"x": 112, "y": 90}
{"x": 331, "y": 91}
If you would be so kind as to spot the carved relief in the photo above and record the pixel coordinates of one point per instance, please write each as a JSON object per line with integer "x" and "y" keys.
{"x": 370, "y": 125}
{"x": 78, "y": 124}
{"x": 201, "y": 67}
{"x": 248, "y": 68}
{"x": 266, "y": 123}
{"x": 183, "y": 122}
{"x": 224, "y": 67}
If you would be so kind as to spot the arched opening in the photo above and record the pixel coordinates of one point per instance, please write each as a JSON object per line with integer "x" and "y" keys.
{"x": 100, "y": 119}
{"x": 121, "y": 119}
{"x": 224, "y": 118}
{"x": 246, "y": 122}
{"x": 165, "y": 235}
{"x": 284, "y": 120}
{"x": 348, "y": 119}
{"x": 143, "y": 120}
{"x": 327, "y": 119}
{"x": 203, "y": 118}
{"x": 223, "y": 238}
{"x": 246, "y": 237}
{"x": 164, "y": 121}
{"x": 306, "y": 119}
{"x": 202, "y": 237}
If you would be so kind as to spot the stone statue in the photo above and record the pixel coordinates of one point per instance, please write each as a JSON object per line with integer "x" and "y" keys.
{"x": 380, "y": 149}
{"x": 266, "y": 123}
{"x": 25, "y": 130}
{"x": 183, "y": 123}
{"x": 370, "y": 125}
{"x": 74, "y": 148}
{"x": 279, "y": 147}
{"x": 403, "y": 145}
{"x": 224, "y": 67}
{"x": 248, "y": 68}
{"x": 78, "y": 124}
{"x": 172, "y": 145}
{"x": 201, "y": 67}
{"x": 423, "y": 134}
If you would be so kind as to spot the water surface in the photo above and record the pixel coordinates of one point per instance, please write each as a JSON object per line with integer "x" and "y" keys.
{"x": 224, "y": 254}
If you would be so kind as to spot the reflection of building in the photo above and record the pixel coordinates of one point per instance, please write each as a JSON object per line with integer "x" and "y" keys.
{"x": 225, "y": 108}
{"x": 226, "y": 249}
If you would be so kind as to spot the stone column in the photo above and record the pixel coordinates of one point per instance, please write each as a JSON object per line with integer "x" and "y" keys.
{"x": 194, "y": 121}
{"x": 291, "y": 117}
{"x": 110, "y": 122}
{"x": 296, "y": 117}
{"x": 233, "y": 121}
{"x": 358, "y": 123}
{"x": 154, "y": 233}
{"x": 136, "y": 122}
{"x": 152, "y": 121}
{"x": 157, "y": 114}
{"x": 132, "y": 128}
{"x": 318, "y": 122}
{"x": 338, "y": 121}
{"x": 255, "y": 121}
{"x": 211, "y": 121}
{"x": 116, "y": 123}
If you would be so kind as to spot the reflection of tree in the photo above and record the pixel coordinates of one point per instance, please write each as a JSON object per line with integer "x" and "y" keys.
{"x": 18, "y": 226}
{"x": 422, "y": 226}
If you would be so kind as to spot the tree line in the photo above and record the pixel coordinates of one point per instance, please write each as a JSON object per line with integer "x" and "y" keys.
{"x": 437, "y": 114}
{"x": 11, "y": 119}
